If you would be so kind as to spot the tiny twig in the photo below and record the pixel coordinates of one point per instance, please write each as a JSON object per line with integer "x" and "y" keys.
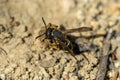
{"x": 103, "y": 66}
{"x": 3, "y": 50}
{"x": 104, "y": 58}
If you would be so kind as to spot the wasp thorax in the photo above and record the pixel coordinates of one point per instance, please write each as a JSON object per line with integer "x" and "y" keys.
{"x": 58, "y": 34}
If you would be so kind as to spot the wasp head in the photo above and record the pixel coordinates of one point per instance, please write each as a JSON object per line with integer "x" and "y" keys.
{"x": 48, "y": 33}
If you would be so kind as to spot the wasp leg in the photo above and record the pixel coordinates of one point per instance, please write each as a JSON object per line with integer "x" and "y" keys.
{"x": 52, "y": 26}
{"x": 85, "y": 58}
{"x": 39, "y": 36}
{"x": 54, "y": 44}
{"x": 70, "y": 49}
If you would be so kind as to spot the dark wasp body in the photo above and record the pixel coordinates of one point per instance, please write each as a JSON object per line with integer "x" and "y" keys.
{"x": 61, "y": 38}
{"x": 57, "y": 35}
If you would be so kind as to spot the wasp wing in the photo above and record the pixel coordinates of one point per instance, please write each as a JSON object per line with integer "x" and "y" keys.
{"x": 81, "y": 29}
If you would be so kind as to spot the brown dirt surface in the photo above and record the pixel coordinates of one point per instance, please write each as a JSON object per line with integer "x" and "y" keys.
{"x": 22, "y": 57}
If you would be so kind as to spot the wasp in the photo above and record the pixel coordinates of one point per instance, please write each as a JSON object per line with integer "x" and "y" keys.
{"x": 59, "y": 37}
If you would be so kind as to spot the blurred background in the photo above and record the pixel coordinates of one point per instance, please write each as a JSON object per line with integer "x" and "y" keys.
{"x": 71, "y": 13}
{"x": 23, "y": 63}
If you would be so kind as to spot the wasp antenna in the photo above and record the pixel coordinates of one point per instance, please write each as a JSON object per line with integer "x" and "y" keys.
{"x": 44, "y": 22}
{"x": 39, "y": 36}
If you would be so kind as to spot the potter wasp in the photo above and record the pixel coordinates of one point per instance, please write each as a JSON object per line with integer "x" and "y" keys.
{"x": 60, "y": 38}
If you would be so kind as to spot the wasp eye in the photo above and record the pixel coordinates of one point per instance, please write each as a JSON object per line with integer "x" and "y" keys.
{"x": 48, "y": 32}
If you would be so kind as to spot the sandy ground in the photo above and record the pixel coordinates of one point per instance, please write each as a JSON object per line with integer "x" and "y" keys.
{"x": 24, "y": 58}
